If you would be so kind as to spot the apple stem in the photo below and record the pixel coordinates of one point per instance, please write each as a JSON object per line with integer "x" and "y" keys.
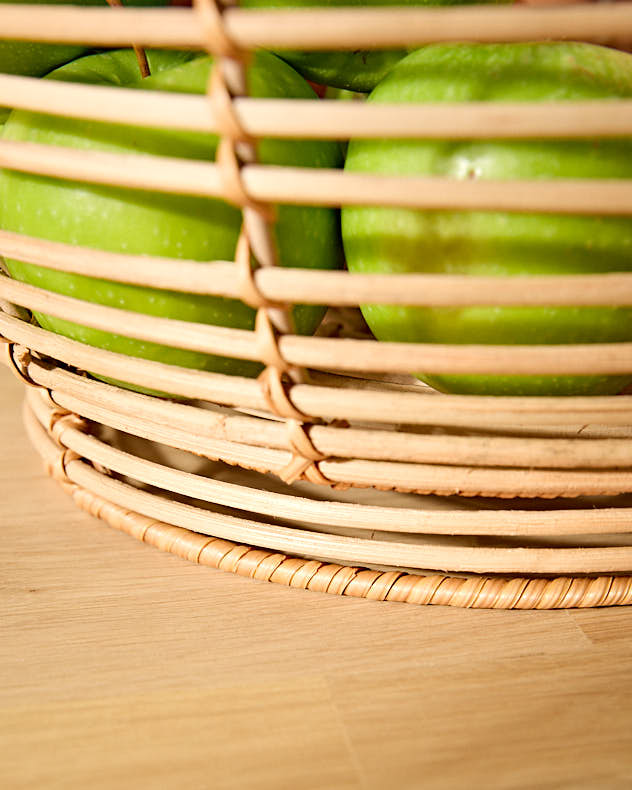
{"x": 141, "y": 57}
{"x": 143, "y": 63}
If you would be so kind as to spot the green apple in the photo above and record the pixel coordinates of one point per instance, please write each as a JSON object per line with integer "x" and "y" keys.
{"x": 139, "y": 222}
{"x": 497, "y": 243}
{"x": 33, "y": 59}
{"x": 357, "y": 70}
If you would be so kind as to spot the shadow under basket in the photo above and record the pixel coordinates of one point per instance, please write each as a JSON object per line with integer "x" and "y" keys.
{"x": 334, "y": 470}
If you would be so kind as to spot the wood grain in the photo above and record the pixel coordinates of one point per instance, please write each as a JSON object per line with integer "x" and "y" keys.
{"x": 122, "y": 666}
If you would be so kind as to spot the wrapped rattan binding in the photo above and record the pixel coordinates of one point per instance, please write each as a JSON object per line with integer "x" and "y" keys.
{"x": 364, "y": 425}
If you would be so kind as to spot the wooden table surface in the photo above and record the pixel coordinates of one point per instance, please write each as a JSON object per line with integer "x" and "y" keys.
{"x": 124, "y": 667}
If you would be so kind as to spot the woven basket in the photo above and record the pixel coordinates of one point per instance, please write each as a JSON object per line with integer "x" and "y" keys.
{"x": 346, "y": 474}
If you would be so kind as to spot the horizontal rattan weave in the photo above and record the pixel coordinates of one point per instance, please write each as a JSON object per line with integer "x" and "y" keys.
{"x": 332, "y": 28}
{"x": 524, "y": 497}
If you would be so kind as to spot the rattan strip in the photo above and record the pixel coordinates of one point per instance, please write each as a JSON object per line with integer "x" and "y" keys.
{"x": 215, "y": 277}
{"x": 369, "y": 356}
{"x": 335, "y": 28}
{"x": 337, "y": 548}
{"x": 500, "y": 593}
{"x": 329, "y": 546}
{"x": 575, "y": 418}
{"x": 342, "y": 288}
{"x": 326, "y": 119}
{"x": 434, "y": 478}
{"x": 179, "y": 425}
{"x": 323, "y": 187}
{"x": 220, "y": 423}
{"x": 196, "y": 384}
{"x": 329, "y": 402}
{"x": 205, "y": 338}
{"x": 605, "y": 520}
{"x": 374, "y": 28}
{"x": 199, "y": 425}
{"x": 336, "y": 288}
{"x": 420, "y": 478}
{"x": 485, "y": 592}
{"x": 364, "y": 356}
{"x": 346, "y": 188}
{"x": 374, "y": 404}
{"x": 45, "y": 374}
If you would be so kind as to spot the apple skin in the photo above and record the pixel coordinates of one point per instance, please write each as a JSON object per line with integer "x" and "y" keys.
{"x": 356, "y": 70}
{"x": 34, "y": 59}
{"x": 139, "y": 222}
{"x": 379, "y": 240}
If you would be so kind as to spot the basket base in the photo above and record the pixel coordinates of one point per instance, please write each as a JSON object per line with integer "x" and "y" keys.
{"x": 477, "y": 592}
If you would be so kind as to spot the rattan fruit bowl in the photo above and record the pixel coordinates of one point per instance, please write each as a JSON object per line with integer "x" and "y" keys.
{"x": 335, "y": 470}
